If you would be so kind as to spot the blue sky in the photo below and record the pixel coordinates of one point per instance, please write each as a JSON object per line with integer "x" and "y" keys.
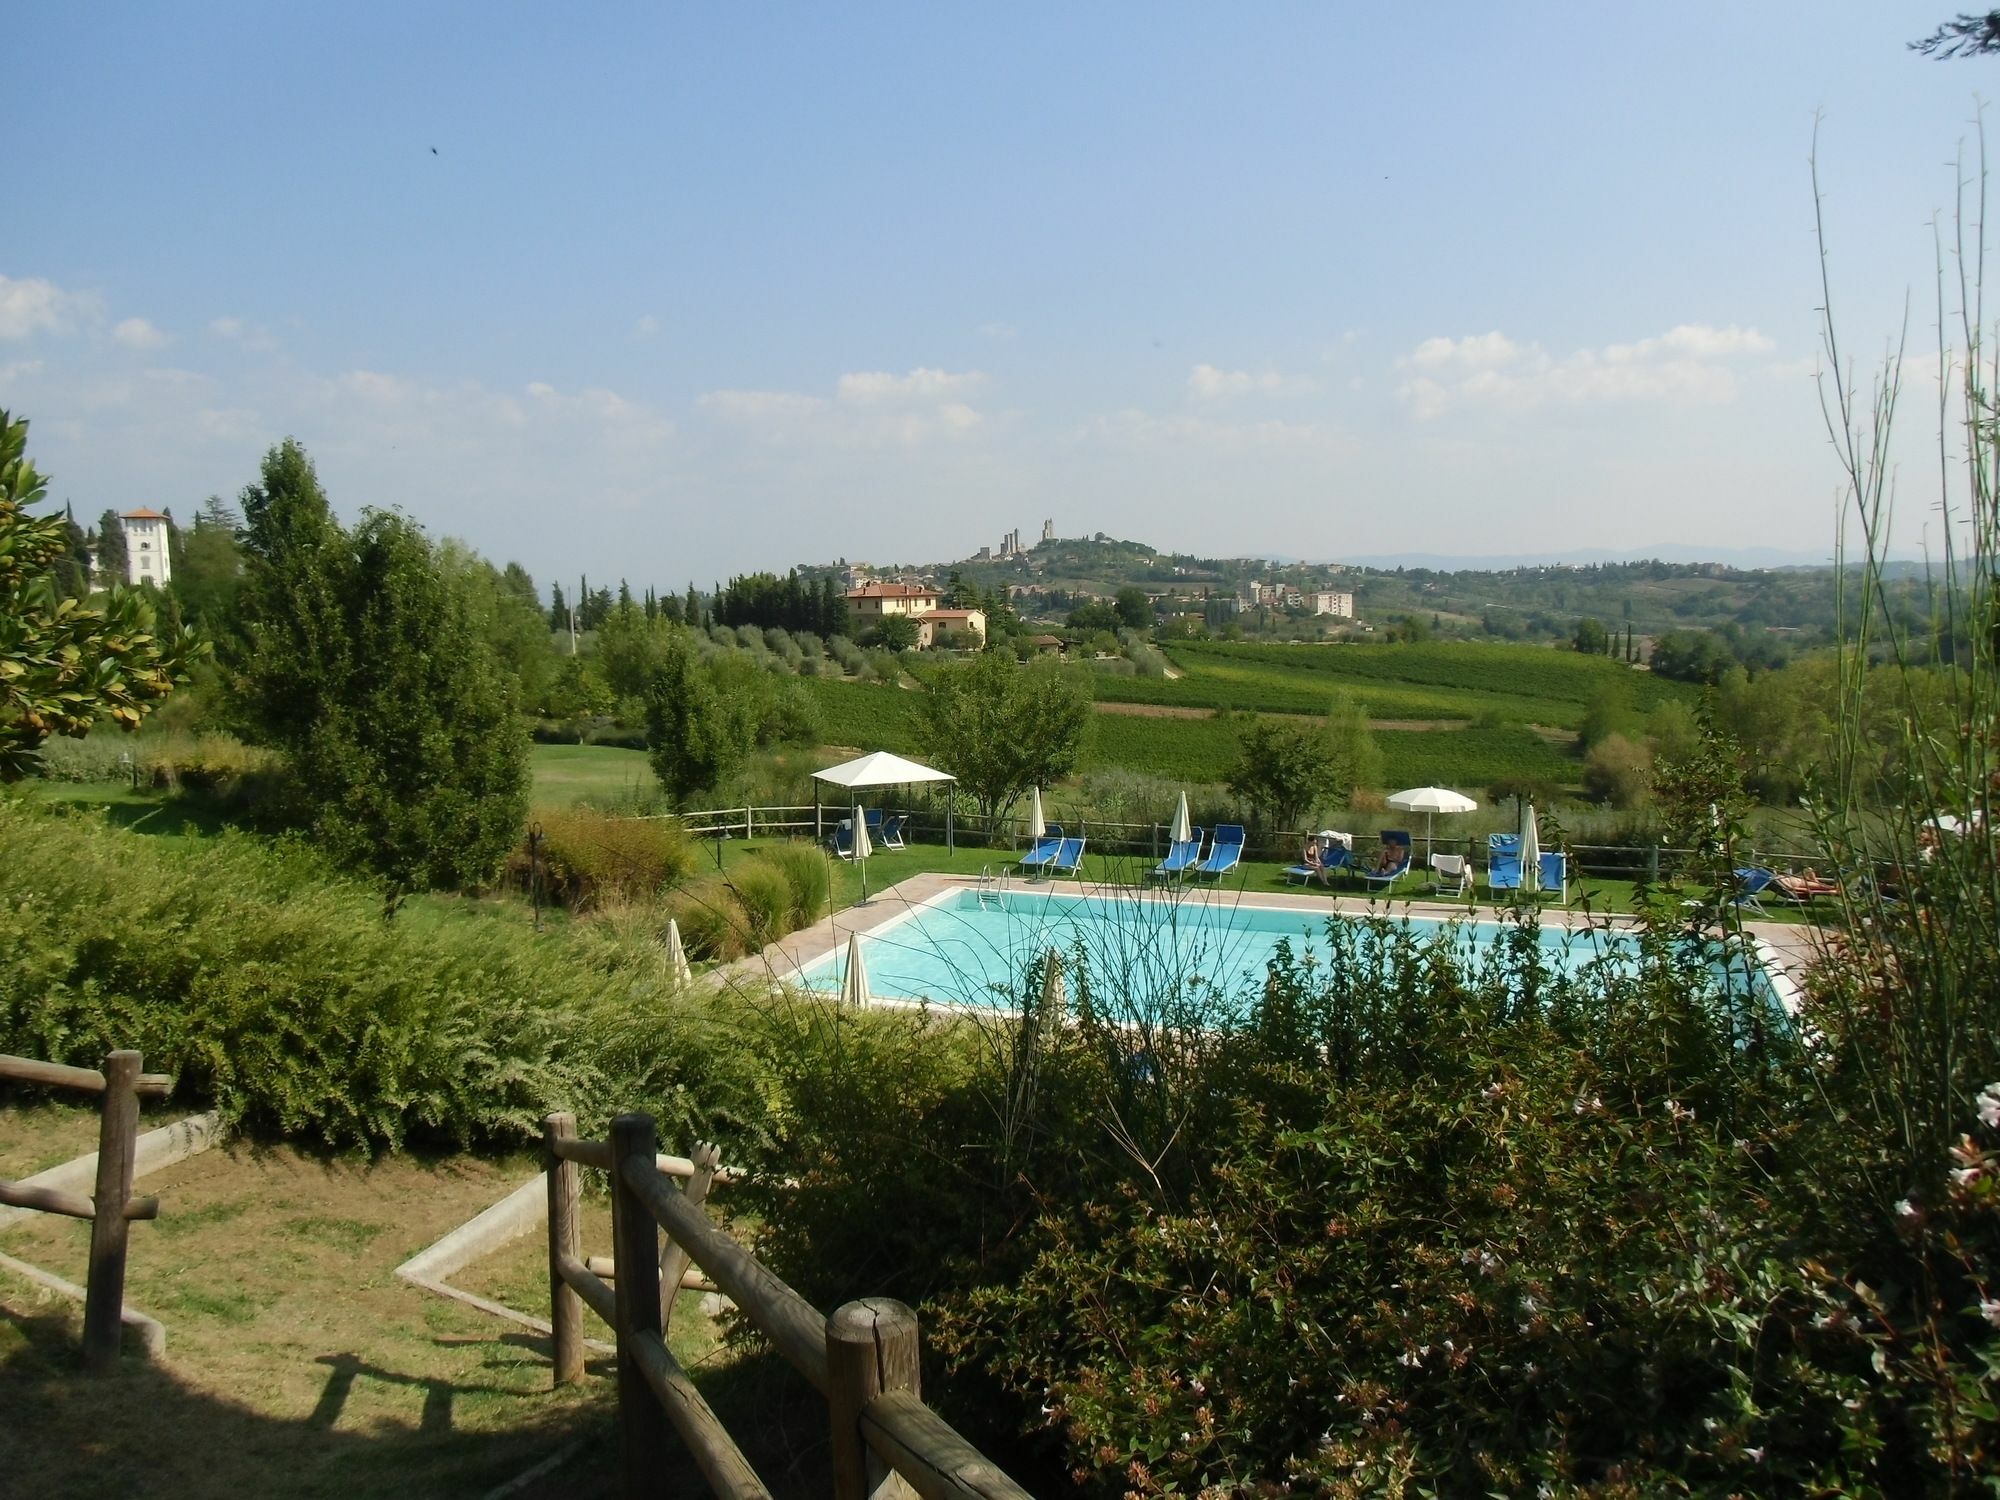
{"x": 688, "y": 291}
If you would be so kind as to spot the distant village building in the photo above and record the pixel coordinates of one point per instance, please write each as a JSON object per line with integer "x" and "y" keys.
{"x": 1331, "y": 602}
{"x": 1048, "y": 531}
{"x": 146, "y": 556}
{"x": 874, "y": 602}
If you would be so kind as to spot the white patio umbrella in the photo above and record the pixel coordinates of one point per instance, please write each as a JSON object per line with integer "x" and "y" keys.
{"x": 1183, "y": 828}
{"x": 862, "y": 848}
{"x": 854, "y": 983}
{"x": 1038, "y": 828}
{"x": 677, "y": 958}
{"x": 1531, "y": 852}
{"x": 1055, "y": 994}
{"x": 1430, "y": 801}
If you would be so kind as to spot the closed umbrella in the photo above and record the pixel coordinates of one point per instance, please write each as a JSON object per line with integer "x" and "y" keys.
{"x": 1038, "y": 828}
{"x": 1183, "y": 828}
{"x": 862, "y": 848}
{"x": 1430, "y": 801}
{"x": 677, "y": 958}
{"x": 1531, "y": 853}
{"x": 854, "y": 983}
{"x": 1055, "y": 995}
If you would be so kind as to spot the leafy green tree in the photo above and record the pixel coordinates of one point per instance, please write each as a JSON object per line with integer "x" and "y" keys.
{"x": 65, "y": 665}
{"x": 364, "y": 670}
{"x": 1134, "y": 608}
{"x": 1002, "y": 727}
{"x": 896, "y": 633}
{"x": 1092, "y": 616}
{"x": 111, "y": 550}
{"x": 1354, "y": 761}
{"x": 696, "y": 736}
{"x": 628, "y": 649}
{"x": 1590, "y": 637}
{"x": 1691, "y": 656}
{"x": 1282, "y": 770}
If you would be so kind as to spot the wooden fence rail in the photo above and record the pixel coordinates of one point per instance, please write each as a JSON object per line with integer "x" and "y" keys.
{"x": 863, "y": 1359}
{"x": 112, "y": 1207}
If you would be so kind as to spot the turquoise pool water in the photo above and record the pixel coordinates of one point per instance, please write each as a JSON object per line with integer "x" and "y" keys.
{"x": 965, "y": 949}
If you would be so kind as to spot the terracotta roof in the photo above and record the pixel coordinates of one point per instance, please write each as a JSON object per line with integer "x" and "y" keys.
{"x": 892, "y": 591}
{"x": 141, "y": 514}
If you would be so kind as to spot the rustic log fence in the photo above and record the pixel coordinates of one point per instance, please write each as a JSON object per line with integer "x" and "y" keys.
{"x": 112, "y": 1207}
{"x": 864, "y": 1359}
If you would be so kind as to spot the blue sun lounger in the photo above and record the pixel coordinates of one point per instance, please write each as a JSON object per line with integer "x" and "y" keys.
{"x": 1225, "y": 853}
{"x": 1068, "y": 858}
{"x": 1554, "y": 870}
{"x": 1503, "y": 862}
{"x": 1398, "y": 840}
{"x": 1038, "y": 857}
{"x": 1333, "y": 857}
{"x": 1181, "y": 858}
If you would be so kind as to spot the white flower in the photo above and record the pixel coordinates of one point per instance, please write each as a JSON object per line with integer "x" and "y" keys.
{"x": 1989, "y": 1106}
{"x": 1906, "y": 1210}
{"x": 1966, "y": 1176}
{"x": 1755, "y": 1455}
{"x": 1990, "y": 1311}
{"x": 1680, "y": 1113}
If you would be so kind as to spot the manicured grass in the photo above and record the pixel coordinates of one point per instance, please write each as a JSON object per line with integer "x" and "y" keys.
{"x": 566, "y": 774}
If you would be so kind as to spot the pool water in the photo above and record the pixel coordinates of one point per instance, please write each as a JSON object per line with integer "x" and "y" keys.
{"x": 974, "y": 949}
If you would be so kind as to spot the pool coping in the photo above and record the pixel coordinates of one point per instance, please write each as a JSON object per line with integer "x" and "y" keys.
{"x": 1788, "y": 949}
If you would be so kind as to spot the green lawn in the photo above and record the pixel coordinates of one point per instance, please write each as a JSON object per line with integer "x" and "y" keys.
{"x": 570, "y": 773}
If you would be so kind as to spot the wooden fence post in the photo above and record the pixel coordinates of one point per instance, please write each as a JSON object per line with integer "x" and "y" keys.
{"x": 635, "y": 1239}
{"x": 872, "y": 1346}
{"x": 674, "y": 1259}
{"x": 104, "y": 1300}
{"x": 565, "y": 1307}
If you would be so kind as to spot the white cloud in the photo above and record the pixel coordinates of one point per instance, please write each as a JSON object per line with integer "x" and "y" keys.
{"x": 919, "y": 385}
{"x": 1209, "y": 383}
{"x": 997, "y": 330}
{"x": 1479, "y": 351}
{"x": 252, "y": 336}
{"x": 32, "y": 305}
{"x": 137, "y": 333}
{"x": 646, "y": 327}
{"x": 1685, "y": 365}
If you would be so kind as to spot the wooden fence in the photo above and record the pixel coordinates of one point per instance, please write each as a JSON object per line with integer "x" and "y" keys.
{"x": 863, "y": 1360}
{"x": 112, "y": 1207}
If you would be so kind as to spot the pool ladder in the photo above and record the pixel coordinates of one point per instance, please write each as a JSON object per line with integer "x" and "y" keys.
{"x": 992, "y": 887}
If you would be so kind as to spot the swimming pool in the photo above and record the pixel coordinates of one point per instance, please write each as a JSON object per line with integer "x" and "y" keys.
{"x": 981, "y": 949}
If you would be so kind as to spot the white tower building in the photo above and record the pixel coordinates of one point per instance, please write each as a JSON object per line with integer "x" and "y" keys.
{"x": 146, "y": 558}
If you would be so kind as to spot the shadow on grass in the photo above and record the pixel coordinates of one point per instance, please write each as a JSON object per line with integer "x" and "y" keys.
{"x": 145, "y": 1430}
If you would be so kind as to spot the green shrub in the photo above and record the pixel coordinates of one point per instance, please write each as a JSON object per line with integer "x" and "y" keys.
{"x": 807, "y": 879}
{"x": 766, "y": 897}
{"x": 714, "y": 925}
{"x": 590, "y": 857}
{"x": 278, "y": 992}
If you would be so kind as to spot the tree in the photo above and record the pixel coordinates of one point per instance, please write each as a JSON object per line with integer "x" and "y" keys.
{"x": 1590, "y": 637}
{"x": 1352, "y": 758}
{"x": 1691, "y": 656}
{"x": 1134, "y": 608}
{"x": 1617, "y": 771}
{"x": 1093, "y": 615}
{"x": 1002, "y": 727}
{"x": 1282, "y": 771}
{"x": 65, "y": 665}
{"x": 112, "y": 566}
{"x": 896, "y": 633}
{"x": 1966, "y": 35}
{"x": 362, "y": 667}
{"x": 695, "y": 736}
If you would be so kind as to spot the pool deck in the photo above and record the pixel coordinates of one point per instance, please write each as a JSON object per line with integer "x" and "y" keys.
{"x": 1789, "y": 947}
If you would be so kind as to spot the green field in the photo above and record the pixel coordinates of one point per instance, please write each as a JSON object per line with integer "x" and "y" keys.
{"x": 572, "y": 773}
{"x": 1446, "y": 680}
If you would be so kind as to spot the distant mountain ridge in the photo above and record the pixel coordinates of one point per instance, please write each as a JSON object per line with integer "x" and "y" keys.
{"x": 1668, "y": 552}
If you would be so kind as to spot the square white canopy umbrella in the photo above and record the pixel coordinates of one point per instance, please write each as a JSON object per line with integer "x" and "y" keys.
{"x": 881, "y": 769}
{"x": 1430, "y": 801}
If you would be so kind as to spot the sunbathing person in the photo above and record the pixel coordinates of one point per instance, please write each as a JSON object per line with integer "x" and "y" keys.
{"x": 1390, "y": 857}
{"x": 1805, "y": 885}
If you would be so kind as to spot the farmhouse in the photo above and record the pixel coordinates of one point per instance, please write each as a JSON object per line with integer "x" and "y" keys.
{"x": 146, "y": 556}
{"x": 874, "y": 602}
